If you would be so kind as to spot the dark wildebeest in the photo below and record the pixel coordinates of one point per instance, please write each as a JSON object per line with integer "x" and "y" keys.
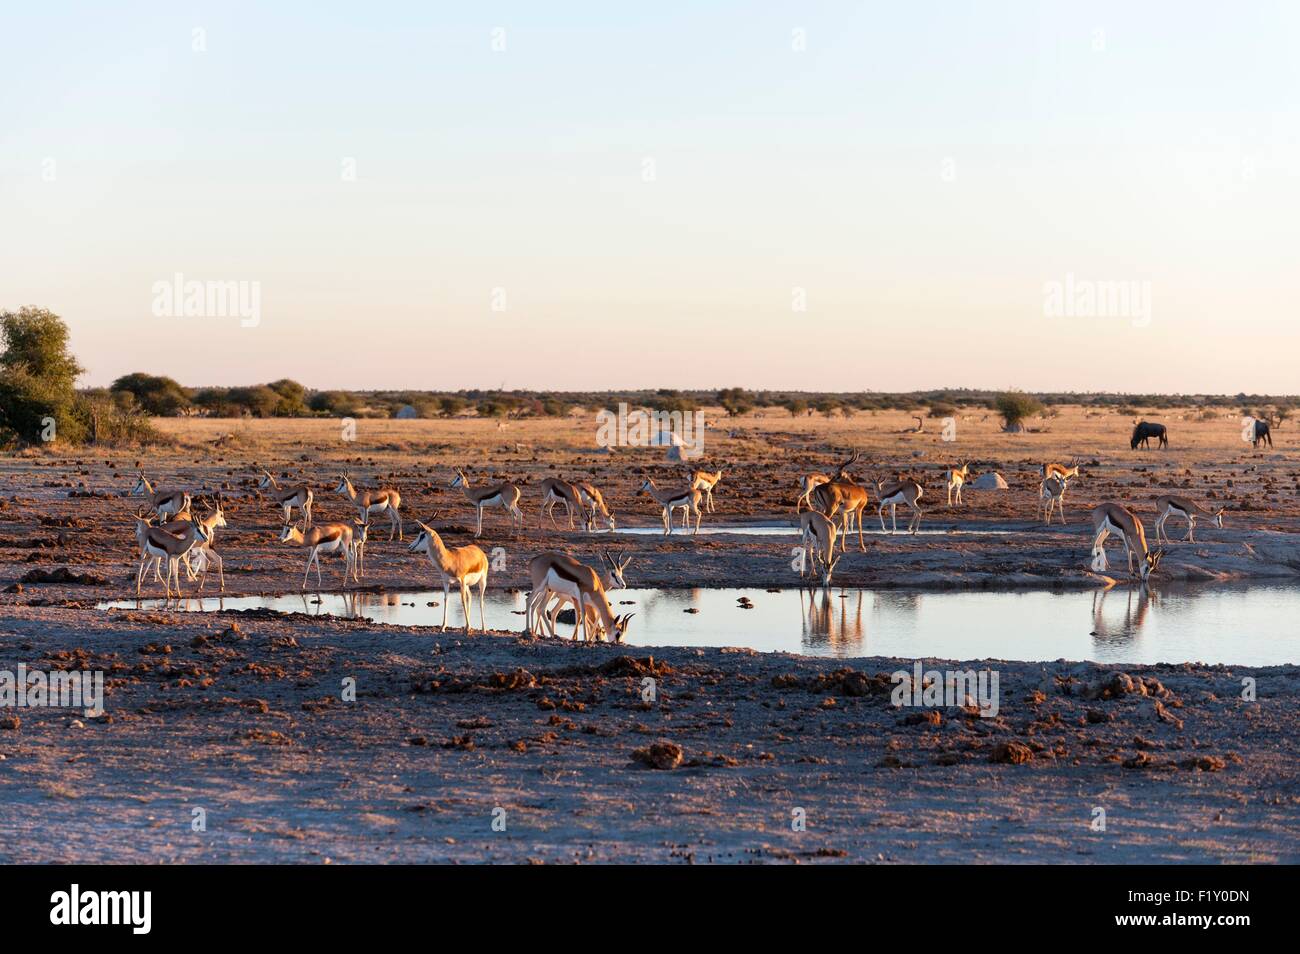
{"x": 1143, "y": 431}
{"x": 1261, "y": 434}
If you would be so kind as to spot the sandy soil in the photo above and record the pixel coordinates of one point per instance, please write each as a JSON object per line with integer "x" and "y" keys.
{"x": 249, "y": 724}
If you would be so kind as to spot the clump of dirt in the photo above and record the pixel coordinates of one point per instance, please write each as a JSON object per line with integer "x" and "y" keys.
{"x": 664, "y": 756}
{"x": 63, "y": 575}
{"x": 1011, "y": 753}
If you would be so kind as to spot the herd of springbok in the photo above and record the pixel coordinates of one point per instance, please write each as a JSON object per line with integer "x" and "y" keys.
{"x": 173, "y": 536}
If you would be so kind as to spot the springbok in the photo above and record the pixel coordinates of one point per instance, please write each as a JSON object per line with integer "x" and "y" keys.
{"x": 842, "y": 495}
{"x": 558, "y": 574}
{"x": 504, "y": 495}
{"x": 688, "y": 500}
{"x": 1111, "y": 518}
{"x": 956, "y": 478}
{"x": 467, "y": 565}
{"x": 611, "y": 578}
{"x": 324, "y": 538}
{"x": 360, "y": 532}
{"x": 1060, "y": 470}
{"x": 595, "y": 505}
{"x": 807, "y": 484}
{"x": 202, "y": 551}
{"x": 556, "y": 491}
{"x": 164, "y": 503}
{"x": 705, "y": 481}
{"x": 1051, "y": 493}
{"x": 895, "y": 492}
{"x": 1174, "y": 506}
{"x": 817, "y": 535}
{"x": 298, "y": 495}
{"x": 158, "y": 544}
{"x": 370, "y": 502}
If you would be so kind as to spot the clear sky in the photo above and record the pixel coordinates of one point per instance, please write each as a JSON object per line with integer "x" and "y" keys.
{"x": 654, "y": 190}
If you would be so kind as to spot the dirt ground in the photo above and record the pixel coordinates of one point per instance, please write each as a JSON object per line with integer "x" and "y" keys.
{"x": 242, "y": 715}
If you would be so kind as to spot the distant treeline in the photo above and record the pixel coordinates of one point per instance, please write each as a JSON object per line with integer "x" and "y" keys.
{"x": 287, "y": 398}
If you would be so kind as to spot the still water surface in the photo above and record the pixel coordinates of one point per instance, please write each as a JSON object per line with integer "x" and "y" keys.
{"x": 1252, "y": 626}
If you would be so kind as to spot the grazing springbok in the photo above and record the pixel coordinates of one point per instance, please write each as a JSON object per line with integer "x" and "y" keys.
{"x": 705, "y": 481}
{"x": 1171, "y": 505}
{"x": 1051, "y": 493}
{"x": 1143, "y": 431}
{"x": 895, "y": 492}
{"x": 611, "y": 578}
{"x": 688, "y": 500}
{"x": 956, "y": 478}
{"x": 299, "y": 495}
{"x": 324, "y": 538}
{"x": 559, "y": 574}
{"x": 1111, "y": 518}
{"x": 554, "y": 492}
{"x": 817, "y": 535}
{"x": 595, "y": 507}
{"x": 158, "y": 544}
{"x": 370, "y": 502}
{"x": 164, "y": 503}
{"x": 467, "y": 565}
{"x": 503, "y": 495}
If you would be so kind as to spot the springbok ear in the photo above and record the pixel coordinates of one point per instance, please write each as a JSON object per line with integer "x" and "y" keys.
{"x": 422, "y": 526}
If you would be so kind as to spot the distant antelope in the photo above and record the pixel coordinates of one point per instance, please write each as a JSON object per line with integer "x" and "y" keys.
{"x": 688, "y": 500}
{"x": 1051, "y": 493}
{"x": 595, "y": 505}
{"x": 504, "y": 495}
{"x": 163, "y": 502}
{"x": 895, "y": 492}
{"x": 324, "y": 538}
{"x": 1111, "y": 518}
{"x": 817, "y": 535}
{"x": 158, "y": 544}
{"x": 611, "y": 578}
{"x": 1174, "y": 506}
{"x": 370, "y": 502}
{"x": 559, "y": 574}
{"x": 554, "y": 492}
{"x": 467, "y": 565}
{"x": 705, "y": 481}
{"x": 297, "y": 495}
{"x": 956, "y": 478}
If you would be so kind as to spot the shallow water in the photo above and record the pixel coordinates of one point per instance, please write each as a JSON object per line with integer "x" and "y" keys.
{"x": 1252, "y": 626}
{"x": 785, "y": 530}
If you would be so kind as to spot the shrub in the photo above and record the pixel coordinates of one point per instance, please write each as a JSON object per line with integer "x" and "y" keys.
{"x": 1015, "y": 406}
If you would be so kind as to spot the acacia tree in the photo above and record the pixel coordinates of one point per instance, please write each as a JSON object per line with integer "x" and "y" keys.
{"x": 38, "y": 399}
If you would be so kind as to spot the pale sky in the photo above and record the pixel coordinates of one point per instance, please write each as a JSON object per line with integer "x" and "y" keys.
{"x": 654, "y": 189}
